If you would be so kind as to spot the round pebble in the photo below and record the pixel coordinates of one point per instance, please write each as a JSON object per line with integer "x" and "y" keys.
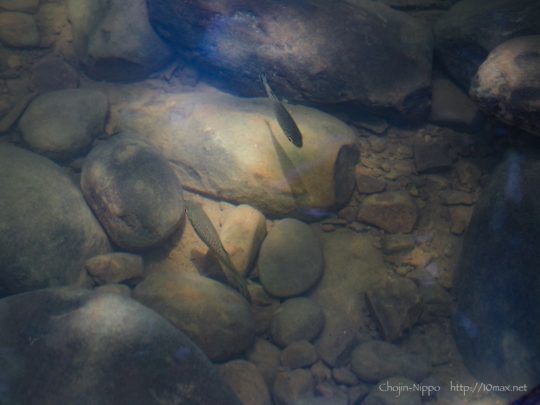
{"x": 291, "y": 259}
{"x": 296, "y": 319}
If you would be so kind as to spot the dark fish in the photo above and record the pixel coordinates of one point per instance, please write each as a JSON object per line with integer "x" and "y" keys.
{"x": 207, "y": 233}
{"x": 284, "y": 118}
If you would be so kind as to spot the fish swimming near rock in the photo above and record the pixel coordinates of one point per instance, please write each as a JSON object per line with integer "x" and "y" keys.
{"x": 284, "y": 118}
{"x": 207, "y": 233}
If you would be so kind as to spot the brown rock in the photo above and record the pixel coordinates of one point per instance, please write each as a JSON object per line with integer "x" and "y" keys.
{"x": 246, "y": 382}
{"x": 459, "y": 219}
{"x": 321, "y": 372}
{"x": 352, "y": 265}
{"x": 468, "y": 174}
{"x": 395, "y": 306}
{"x": 375, "y": 360}
{"x": 466, "y": 34}
{"x": 242, "y": 233}
{"x": 233, "y": 149}
{"x": 51, "y": 19}
{"x": 367, "y": 184}
{"x": 115, "y": 267}
{"x": 299, "y": 354}
{"x": 52, "y": 73}
{"x": 456, "y": 197}
{"x": 266, "y": 357}
{"x": 507, "y": 84}
{"x": 291, "y": 387}
{"x": 301, "y": 41}
{"x": 419, "y": 257}
{"x": 451, "y": 106}
{"x": 392, "y": 211}
{"x": 121, "y": 289}
{"x": 358, "y": 393}
{"x": 25, "y": 6}
{"x": 348, "y": 213}
{"x": 343, "y": 375}
{"x": 397, "y": 243}
{"x": 431, "y": 157}
{"x": 328, "y": 393}
{"x": 297, "y": 319}
{"x": 214, "y": 316}
{"x": 400, "y": 168}
{"x": 18, "y": 30}
{"x": 377, "y": 144}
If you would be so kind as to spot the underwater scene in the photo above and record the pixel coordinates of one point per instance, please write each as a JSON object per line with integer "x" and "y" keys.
{"x": 269, "y": 202}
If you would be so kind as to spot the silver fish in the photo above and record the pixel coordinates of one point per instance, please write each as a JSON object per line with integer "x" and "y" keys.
{"x": 284, "y": 118}
{"x": 207, "y": 233}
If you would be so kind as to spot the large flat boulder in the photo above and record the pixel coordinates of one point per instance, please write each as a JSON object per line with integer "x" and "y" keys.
{"x": 497, "y": 322}
{"x": 46, "y": 229}
{"x": 233, "y": 148}
{"x": 466, "y": 34}
{"x": 319, "y": 51}
{"x": 66, "y": 346}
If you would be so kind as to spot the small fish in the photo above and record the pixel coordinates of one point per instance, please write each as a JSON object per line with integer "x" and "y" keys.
{"x": 207, "y": 233}
{"x": 284, "y": 118}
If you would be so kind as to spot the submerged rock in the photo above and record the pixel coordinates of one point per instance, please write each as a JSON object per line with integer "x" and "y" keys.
{"x": 375, "y": 360}
{"x": 466, "y": 34}
{"x": 115, "y": 267}
{"x": 25, "y": 6}
{"x": 53, "y": 73}
{"x": 297, "y": 319}
{"x": 266, "y": 357}
{"x": 46, "y": 229}
{"x": 60, "y": 124}
{"x": 110, "y": 45}
{"x": 233, "y": 148}
{"x": 105, "y": 348}
{"x": 299, "y": 354}
{"x": 352, "y": 266}
{"x": 395, "y": 307}
{"x": 133, "y": 191}
{"x": 242, "y": 233}
{"x": 18, "y": 30}
{"x": 293, "y": 387}
{"x": 214, "y": 316}
{"x": 325, "y": 52}
{"x": 451, "y": 106}
{"x": 392, "y": 211}
{"x": 507, "y": 84}
{"x": 497, "y": 322}
{"x": 291, "y": 259}
{"x": 246, "y": 381}
{"x": 430, "y": 157}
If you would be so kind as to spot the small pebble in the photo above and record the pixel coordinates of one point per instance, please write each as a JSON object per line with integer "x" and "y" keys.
{"x": 343, "y": 375}
{"x": 325, "y": 227}
{"x": 299, "y": 354}
{"x": 321, "y": 372}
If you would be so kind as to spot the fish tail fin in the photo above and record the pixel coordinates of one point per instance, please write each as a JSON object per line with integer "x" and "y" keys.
{"x": 267, "y": 87}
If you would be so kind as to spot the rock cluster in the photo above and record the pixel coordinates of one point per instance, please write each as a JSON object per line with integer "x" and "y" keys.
{"x": 358, "y": 296}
